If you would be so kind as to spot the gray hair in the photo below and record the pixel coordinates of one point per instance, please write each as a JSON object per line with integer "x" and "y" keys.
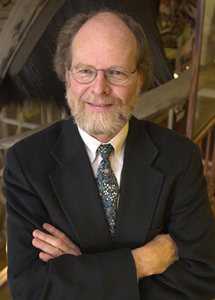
{"x": 63, "y": 55}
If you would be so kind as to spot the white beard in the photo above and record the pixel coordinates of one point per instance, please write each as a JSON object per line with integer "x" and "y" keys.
{"x": 96, "y": 122}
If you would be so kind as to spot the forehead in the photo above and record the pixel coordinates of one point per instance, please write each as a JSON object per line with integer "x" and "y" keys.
{"x": 104, "y": 38}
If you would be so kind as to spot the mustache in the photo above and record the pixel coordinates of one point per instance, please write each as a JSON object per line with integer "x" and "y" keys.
{"x": 99, "y": 100}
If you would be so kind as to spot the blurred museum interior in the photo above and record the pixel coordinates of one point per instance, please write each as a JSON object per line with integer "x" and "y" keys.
{"x": 181, "y": 34}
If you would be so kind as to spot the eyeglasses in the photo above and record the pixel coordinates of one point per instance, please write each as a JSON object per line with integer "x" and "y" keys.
{"x": 116, "y": 75}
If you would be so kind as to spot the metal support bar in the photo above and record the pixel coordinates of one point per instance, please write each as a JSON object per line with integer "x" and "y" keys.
{"x": 195, "y": 68}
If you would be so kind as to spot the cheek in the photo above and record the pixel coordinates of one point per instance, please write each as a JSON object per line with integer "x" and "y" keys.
{"x": 78, "y": 90}
{"x": 128, "y": 94}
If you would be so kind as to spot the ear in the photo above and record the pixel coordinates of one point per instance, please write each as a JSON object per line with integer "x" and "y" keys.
{"x": 140, "y": 83}
{"x": 67, "y": 78}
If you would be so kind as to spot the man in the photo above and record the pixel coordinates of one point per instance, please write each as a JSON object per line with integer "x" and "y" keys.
{"x": 140, "y": 228}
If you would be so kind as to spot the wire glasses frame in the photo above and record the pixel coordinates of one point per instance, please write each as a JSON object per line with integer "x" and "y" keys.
{"x": 115, "y": 75}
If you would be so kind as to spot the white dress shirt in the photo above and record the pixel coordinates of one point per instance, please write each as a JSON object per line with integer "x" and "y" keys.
{"x": 116, "y": 157}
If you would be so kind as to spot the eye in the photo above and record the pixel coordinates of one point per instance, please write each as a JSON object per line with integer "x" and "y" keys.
{"x": 85, "y": 71}
{"x": 117, "y": 73}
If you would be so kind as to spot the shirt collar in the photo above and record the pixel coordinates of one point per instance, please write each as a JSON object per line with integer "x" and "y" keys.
{"x": 92, "y": 144}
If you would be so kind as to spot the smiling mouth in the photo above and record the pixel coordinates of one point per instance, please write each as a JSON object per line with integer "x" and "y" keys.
{"x": 99, "y": 106}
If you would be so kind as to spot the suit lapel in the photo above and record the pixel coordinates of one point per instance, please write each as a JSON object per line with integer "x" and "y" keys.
{"x": 74, "y": 184}
{"x": 140, "y": 187}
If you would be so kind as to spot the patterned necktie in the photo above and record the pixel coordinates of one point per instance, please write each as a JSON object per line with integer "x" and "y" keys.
{"x": 107, "y": 186}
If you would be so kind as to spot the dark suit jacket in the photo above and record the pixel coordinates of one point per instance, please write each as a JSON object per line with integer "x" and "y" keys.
{"x": 49, "y": 179}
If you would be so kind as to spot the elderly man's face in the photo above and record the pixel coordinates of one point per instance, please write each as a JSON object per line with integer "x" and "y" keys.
{"x": 100, "y": 107}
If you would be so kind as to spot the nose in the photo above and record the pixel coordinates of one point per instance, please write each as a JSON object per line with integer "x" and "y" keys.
{"x": 100, "y": 85}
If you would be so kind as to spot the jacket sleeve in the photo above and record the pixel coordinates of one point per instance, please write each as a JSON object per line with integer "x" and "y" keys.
{"x": 107, "y": 275}
{"x": 191, "y": 225}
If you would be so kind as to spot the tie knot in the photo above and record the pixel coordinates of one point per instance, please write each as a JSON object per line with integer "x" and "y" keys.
{"x": 105, "y": 150}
